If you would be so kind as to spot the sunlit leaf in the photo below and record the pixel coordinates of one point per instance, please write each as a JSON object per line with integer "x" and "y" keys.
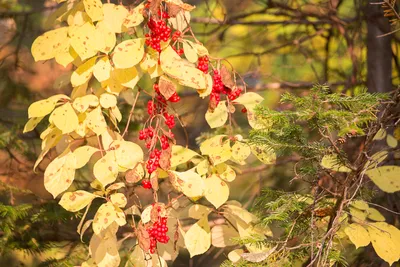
{"x": 106, "y": 169}
{"x": 217, "y": 117}
{"x": 75, "y": 201}
{"x": 217, "y": 191}
{"x": 60, "y": 174}
{"x": 128, "y": 53}
{"x": 358, "y": 235}
{"x": 198, "y": 237}
{"x": 385, "y": 239}
{"x": 106, "y": 215}
{"x": 387, "y": 178}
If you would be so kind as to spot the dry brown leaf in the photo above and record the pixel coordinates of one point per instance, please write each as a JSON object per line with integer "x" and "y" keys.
{"x": 173, "y": 9}
{"x": 143, "y": 237}
{"x": 157, "y": 211}
{"x": 154, "y": 181}
{"x": 227, "y": 77}
{"x": 165, "y": 158}
{"x": 155, "y": 6}
{"x": 167, "y": 87}
{"x": 134, "y": 175}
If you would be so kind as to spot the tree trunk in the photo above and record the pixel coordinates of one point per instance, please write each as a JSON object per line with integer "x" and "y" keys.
{"x": 379, "y": 51}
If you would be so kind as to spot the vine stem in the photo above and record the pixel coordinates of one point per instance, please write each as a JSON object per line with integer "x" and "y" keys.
{"x": 131, "y": 113}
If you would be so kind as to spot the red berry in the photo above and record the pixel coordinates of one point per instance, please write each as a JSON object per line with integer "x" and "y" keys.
{"x": 244, "y": 110}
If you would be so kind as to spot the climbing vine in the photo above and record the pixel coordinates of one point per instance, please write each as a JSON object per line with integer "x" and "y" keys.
{"x": 113, "y": 47}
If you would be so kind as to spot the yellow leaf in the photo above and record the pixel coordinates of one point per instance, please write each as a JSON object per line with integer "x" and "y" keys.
{"x": 217, "y": 191}
{"x": 226, "y": 173}
{"x": 134, "y": 17}
{"x": 146, "y": 214}
{"x": 75, "y": 201}
{"x": 60, "y": 173}
{"x": 358, "y": 235}
{"x": 116, "y": 113}
{"x": 235, "y": 255}
{"x": 83, "y": 40}
{"x": 52, "y": 137}
{"x": 386, "y": 178}
{"x": 118, "y": 199}
{"x": 102, "y": 69}
{"x": 41, "y": 108}
{"x": 396, "y": 133}
{"x": 180, "y": 21}
{"x": 201, "y": 50}
{"x": 385, "y": 239}
{"x": 191, "y": 184}
{"x": 95, "y": 121}
{"x": 198, "y": 237}
{"x": 249, "y": 100}
{"x": 380, "y": 135}
{"x": 78, "y": 18}
{"x": 49, "y": 44}
{"x": 83, "y": 73}
{"x": 128, "y": 154}
{"x": 106, "y": 215}
{"x": 114, "y": 16}
{"x": 265, "y": 155}
{"x": 105, "y": 38}
{"x": 65, "y": 118}
{"x": 108, "y": 100}
{"x": 376, "y": 159}
{"x": 359, "y": 204}
{"x": 391, "y": 141}
{"x": 66, "y": 54}
{"x": 357, "y": 215}
{"x": 83, "y": 155}
{"x": 94, "y": 9}
{"x": 240, "y": 152}
{"x": 149, "y": 60}
{"x": 239, "y": 212}
{"x": 180, "y": 154}
{"x": 103, "y": 248}
{"x": 175, "y": 67}
{"x": 202, "y": 167}
{"x": 128, "y": 53}
{"x": 190, "y": 52}
{"x": 222, "y": 236}
{"x": 81, "y": 104}
{"x": 222, "y": 154}
{"x": 32, "y": 123}
{"x": 218, "y": 116}
{"x": 375, "y": 215}
{"x": 208, "y": 89}
{"x": 211, "y": 144}
{"x": 126, "y": 77}
{"x": 198, "y": 211}
{"x": 332, "y": 162}
{"x": 106, "y": 169}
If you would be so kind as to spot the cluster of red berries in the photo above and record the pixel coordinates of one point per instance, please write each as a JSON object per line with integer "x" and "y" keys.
{"x": 219, "y": 88}
{"x": 176, "y": 36}
{"x": 154, "y": 162}
{"x": 158, "y": 233}
{"x": 169, "y": 120}
{"x": 203, "y": 64}
{"x": 146, "y": 133}
{"x": 179, "y": 51}
{"x": 159, "y": 31}
{"x": 174, "y": 98}
{"x": 146, "y": 184}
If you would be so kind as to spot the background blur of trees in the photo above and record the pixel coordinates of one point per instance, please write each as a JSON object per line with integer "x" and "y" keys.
{"x": 276, "y": 45}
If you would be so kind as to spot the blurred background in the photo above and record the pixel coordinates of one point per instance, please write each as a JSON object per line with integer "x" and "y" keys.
{"x": 276, "y": 46}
